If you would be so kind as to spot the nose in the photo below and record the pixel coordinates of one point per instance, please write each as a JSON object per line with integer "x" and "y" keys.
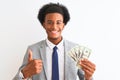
{"x": 54, "y": 26}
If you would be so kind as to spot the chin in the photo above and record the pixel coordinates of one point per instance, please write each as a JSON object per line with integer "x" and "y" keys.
{"x": 54, "y": 38}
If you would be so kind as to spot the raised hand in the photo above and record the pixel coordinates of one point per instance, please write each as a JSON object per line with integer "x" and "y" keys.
{"x": 33, "y": 67}
{"x": 88, "y": 67}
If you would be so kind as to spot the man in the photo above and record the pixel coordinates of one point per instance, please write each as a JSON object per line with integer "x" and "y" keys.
{"x": 39, "y": 62}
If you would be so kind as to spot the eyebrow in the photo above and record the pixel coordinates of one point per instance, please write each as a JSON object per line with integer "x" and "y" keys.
{"x": 57, "y": 20}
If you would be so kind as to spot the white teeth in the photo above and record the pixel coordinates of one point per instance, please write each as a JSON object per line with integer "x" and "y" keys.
{"x": 54, "y": 31}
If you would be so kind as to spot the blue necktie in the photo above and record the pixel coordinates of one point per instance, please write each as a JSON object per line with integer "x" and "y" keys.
{"x": 55, "y": 67}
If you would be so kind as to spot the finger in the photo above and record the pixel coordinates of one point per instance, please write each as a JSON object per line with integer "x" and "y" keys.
{"x": 30, "y": 56}
{"x": 86, "y": 67}
{"x": 88, "y": 63}
{"x": 37, "y": 61}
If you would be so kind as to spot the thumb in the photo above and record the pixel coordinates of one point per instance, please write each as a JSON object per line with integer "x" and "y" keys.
{"x": 30, "y": 56}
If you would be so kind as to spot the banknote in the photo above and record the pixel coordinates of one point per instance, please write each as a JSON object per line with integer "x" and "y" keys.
{"x": 79, "y": 52}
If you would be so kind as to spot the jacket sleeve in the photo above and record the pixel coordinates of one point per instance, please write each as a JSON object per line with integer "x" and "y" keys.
{"x": 81, "y": 74}
{"x": 19, "y": 75}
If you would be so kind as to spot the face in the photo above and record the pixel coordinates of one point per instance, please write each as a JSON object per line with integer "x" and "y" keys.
{"x": 54, "y": 25}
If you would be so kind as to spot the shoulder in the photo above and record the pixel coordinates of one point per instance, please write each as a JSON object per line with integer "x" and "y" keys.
{"x": 37, "y": 44}
{"x": 70, "y": 43}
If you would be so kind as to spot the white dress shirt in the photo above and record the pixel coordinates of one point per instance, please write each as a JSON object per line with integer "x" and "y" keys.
{"x": 49, "y": 51}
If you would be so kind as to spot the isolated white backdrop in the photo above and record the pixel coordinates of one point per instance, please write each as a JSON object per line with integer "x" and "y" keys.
{"x": 94, "y": 23}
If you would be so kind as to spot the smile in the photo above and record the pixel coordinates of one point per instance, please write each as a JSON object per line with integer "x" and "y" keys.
{"x": 54, "y": 32}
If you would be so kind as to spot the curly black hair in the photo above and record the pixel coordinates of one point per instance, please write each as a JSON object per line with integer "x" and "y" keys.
{"x": 52, "y": 8}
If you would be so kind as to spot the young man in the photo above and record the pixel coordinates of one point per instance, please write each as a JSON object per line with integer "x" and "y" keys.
{"x": 39, "y": 62}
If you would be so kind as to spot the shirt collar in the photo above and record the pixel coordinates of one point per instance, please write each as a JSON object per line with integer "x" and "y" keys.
{"x": 51, "y": 45}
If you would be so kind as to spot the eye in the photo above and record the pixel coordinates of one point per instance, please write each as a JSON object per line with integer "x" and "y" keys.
{"x": 59, "y": 22}
{"x": 49, "y": 22}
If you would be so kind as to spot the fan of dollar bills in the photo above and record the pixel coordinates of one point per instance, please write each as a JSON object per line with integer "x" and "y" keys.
{"x": 79, "y": 52}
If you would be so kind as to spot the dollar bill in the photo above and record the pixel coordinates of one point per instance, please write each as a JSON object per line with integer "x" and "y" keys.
{"x": 79, "y": 52}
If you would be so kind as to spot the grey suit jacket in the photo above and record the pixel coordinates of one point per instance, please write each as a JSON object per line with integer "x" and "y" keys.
{"x": 39, "y": 52}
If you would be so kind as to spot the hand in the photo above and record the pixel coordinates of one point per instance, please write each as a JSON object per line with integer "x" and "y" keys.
{"x": 34, "y": 66}
{"x": 88, "y": 67}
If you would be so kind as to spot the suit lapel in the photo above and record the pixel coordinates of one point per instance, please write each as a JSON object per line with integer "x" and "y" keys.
{"x": 43, "y": 56}
{"x": 70, "y": 68}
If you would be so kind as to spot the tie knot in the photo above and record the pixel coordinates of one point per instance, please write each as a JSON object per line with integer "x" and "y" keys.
{"x": 55, "y": 48}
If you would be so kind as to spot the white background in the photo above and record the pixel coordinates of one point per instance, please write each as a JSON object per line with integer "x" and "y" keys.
{"x": 94, "y": 23}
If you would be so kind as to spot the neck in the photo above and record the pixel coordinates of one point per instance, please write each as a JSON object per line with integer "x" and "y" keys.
{"x": 55, "y": 40}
